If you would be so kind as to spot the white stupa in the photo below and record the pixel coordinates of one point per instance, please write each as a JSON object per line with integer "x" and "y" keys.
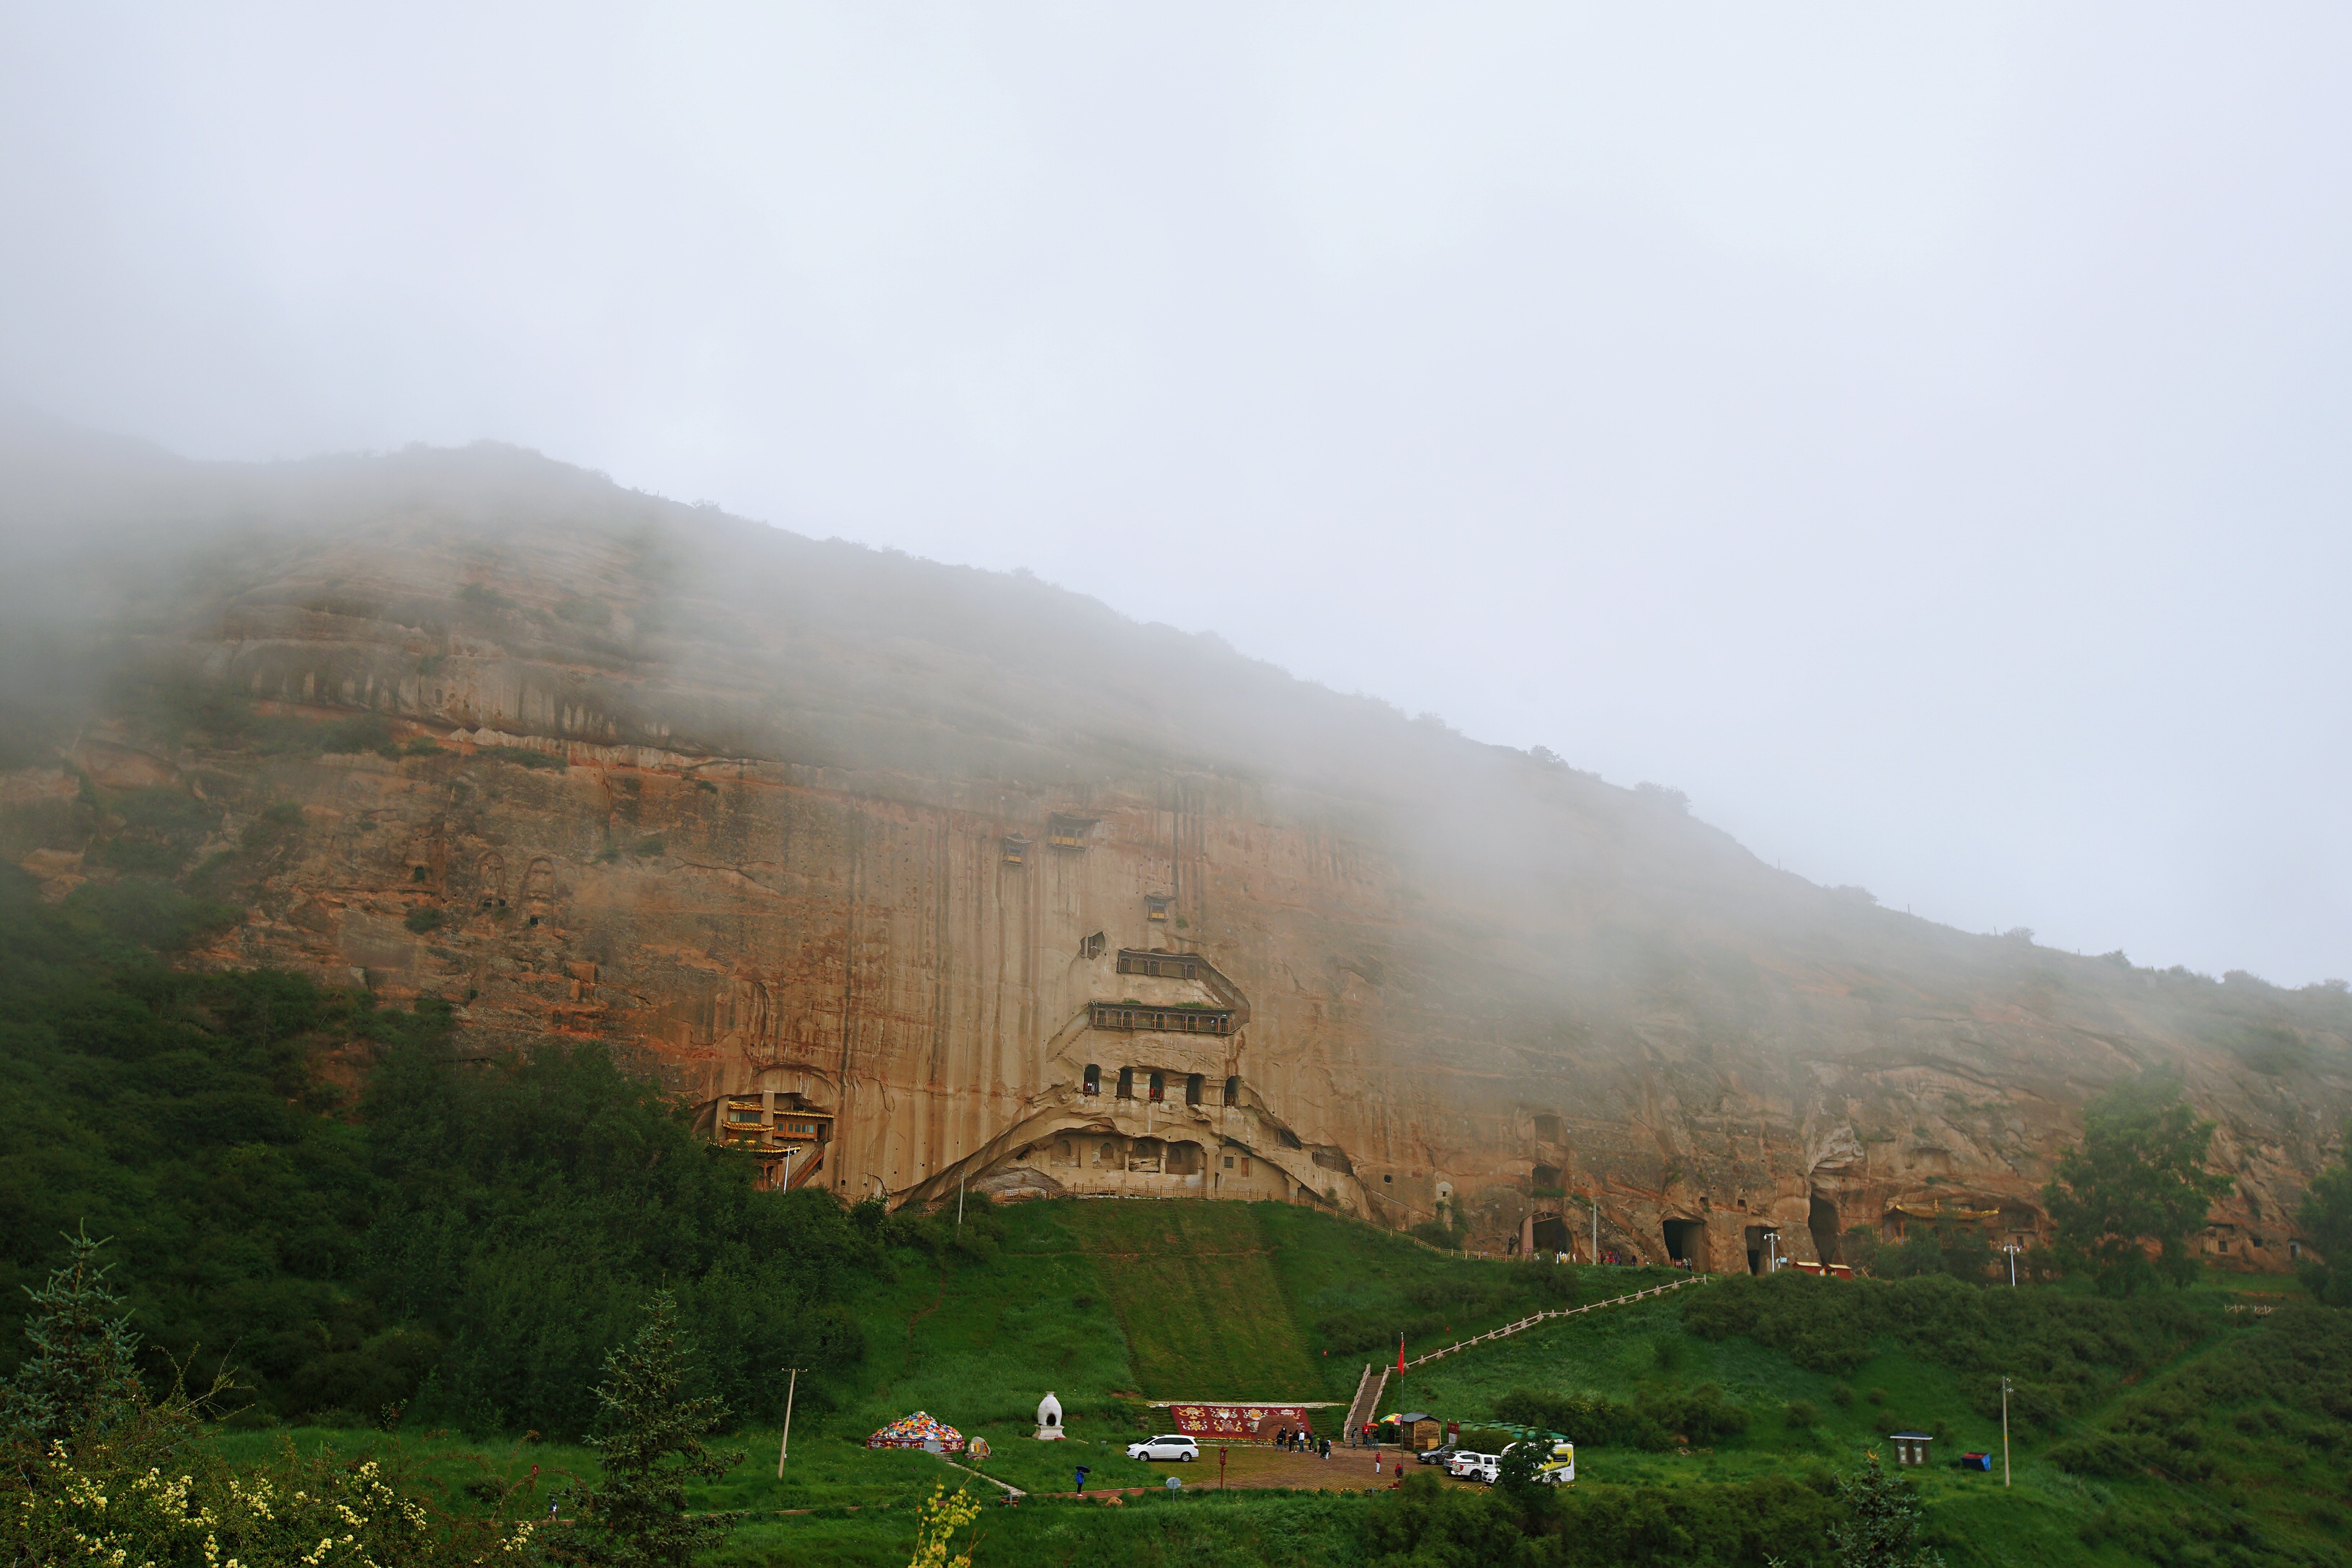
{"x": 1049, "y": 1419}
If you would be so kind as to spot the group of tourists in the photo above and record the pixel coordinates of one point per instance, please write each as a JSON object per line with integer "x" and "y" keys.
{"x": 1302, "y": 1443}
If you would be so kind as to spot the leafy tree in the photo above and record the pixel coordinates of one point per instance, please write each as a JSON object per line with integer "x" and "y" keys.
{"x": 1516, "y": 1471}
{"x": 2325, "y": 1216}
{"x": 2138, "y": 1176}
{"x": 652, "y": 1442}
{"x": 81, "y": 1375}
{"x": 1858, "y": 1249}
{"x": 1881, "y": 1528}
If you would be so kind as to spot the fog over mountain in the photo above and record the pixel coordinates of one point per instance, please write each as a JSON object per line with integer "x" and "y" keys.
{"x": 1919, "y": 439}
{"x": 924, "y": 878}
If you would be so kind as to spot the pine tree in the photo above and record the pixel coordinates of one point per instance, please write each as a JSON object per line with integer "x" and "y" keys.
{"x": 79, "y": 1376}
{"x": 1882, "y": 1531}
{"x": 651, "y": 1444}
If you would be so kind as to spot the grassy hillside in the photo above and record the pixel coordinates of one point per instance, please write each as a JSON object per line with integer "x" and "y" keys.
{"x": 1195, "y": 1292}
{"x": 2196, "y": 1434}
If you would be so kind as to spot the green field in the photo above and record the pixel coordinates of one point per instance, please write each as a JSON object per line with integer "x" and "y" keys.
{"x": 2223, "y": 1452}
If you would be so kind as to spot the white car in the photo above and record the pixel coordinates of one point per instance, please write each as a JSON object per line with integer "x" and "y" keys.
{"x": 1174, "y": 1446}
{"x": 1469, "y": 1466}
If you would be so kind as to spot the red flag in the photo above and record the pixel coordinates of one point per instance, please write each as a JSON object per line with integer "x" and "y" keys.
{"x": 1400, "y": 1352}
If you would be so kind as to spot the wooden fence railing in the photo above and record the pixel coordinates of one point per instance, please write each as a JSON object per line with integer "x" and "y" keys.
{"x": 1545, "y": 1316}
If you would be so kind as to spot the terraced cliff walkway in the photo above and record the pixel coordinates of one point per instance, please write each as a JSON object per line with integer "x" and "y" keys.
{"x": 1375, "y": 1380}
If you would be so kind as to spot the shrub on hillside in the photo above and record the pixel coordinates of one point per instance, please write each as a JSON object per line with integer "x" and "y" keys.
{"x": 2058, "y": 1349}
{"x": 1657, "y": 1420}
{"x": 1755, "y": 1521}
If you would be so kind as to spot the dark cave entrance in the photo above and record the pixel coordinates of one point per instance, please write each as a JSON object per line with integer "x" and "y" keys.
{"x": 1686, "y": 1241}
{"x": 1551, "y": 1234}
{"x": 1757, "y": 1248}
{"x": 1823, "y": 1223}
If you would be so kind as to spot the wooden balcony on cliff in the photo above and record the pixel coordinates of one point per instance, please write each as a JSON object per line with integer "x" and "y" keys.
{"x": 1067, "y": 832}
{"x": 1176, "y": 1020}
{"x": 1162, "y": 965}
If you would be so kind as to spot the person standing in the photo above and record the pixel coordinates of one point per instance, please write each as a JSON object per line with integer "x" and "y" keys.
{"x": 1082, "y": 1480}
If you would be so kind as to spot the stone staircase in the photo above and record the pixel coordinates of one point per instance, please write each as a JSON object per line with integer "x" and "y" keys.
{"x": 1366, "y": 1406}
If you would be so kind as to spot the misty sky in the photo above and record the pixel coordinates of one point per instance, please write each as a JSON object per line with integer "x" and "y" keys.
{"x": 1919, "y": 434}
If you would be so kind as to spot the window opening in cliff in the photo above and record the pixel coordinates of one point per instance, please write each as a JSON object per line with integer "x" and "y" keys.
{"x": 1155, "y": 906}
{"x": 1093, "y": 946}
{"x": 1093, "y": 1083}
{"x": 1232, "y": 1091}
{"x": 1288, "y": 1139}
{"x": 1158, "y": 1088}
{"x": 1064, "y": 1154}
{"x": 1333, "y": 1160}
{"x": 1162, "y": 965}
{"x": 1013, "y": 851}
{"x": 1546, "y": 1182}
{"x": 1822, "y": 1221}
{"x": 1126, "y": 1083}
{"x": 1686, "y": 1241}
{"x": 1068, "y": 832}
{"x": 1547, "y": 1128}
{"x": 1193, "y": 1085}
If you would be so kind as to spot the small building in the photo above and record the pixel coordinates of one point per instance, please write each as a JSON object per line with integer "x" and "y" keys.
{"x": 1420, "y": 1430}
{"x": 787, "y": 1134}
{"x": 1910, "y": 1447}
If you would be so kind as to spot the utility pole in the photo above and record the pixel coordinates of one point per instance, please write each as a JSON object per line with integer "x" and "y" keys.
{"x": 958, "y": 1200}
{"x": 2004, "y": 1429}
{"x": 789, "y": 1389}
{"x": 2012, "y": 1248}
{"x": 1595, "y": 1204}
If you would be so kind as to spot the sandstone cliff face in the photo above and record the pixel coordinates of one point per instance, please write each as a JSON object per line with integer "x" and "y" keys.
{"x": 892, "y": 864}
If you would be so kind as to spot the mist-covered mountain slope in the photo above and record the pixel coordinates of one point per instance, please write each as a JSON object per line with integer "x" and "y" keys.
{"x": 851, "y": 845}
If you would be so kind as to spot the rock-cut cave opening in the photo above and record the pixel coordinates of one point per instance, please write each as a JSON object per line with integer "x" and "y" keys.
{"x": 1822, "y": 1221}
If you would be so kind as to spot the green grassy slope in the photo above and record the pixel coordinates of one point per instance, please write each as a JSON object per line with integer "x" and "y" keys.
{"x": 1195, "y": 1292}
{"x": 2228, "y": 1450}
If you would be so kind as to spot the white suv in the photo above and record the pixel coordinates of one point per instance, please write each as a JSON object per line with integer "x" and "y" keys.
{"x": 1175, "y": 1446}
{"x": 1469, "y": 1466}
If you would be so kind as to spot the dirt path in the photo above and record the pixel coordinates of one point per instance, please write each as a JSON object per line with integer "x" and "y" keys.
{"x": 1254, "y": 1465}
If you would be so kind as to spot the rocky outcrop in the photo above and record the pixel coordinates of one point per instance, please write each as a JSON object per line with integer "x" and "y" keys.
{"x": 914, "y": 870}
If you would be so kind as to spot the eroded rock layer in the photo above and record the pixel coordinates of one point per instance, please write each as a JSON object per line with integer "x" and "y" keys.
{"x": 916, "y": 878}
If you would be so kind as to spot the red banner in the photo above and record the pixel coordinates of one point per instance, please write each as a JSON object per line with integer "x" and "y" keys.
{"x": 1246, "y": 1423}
